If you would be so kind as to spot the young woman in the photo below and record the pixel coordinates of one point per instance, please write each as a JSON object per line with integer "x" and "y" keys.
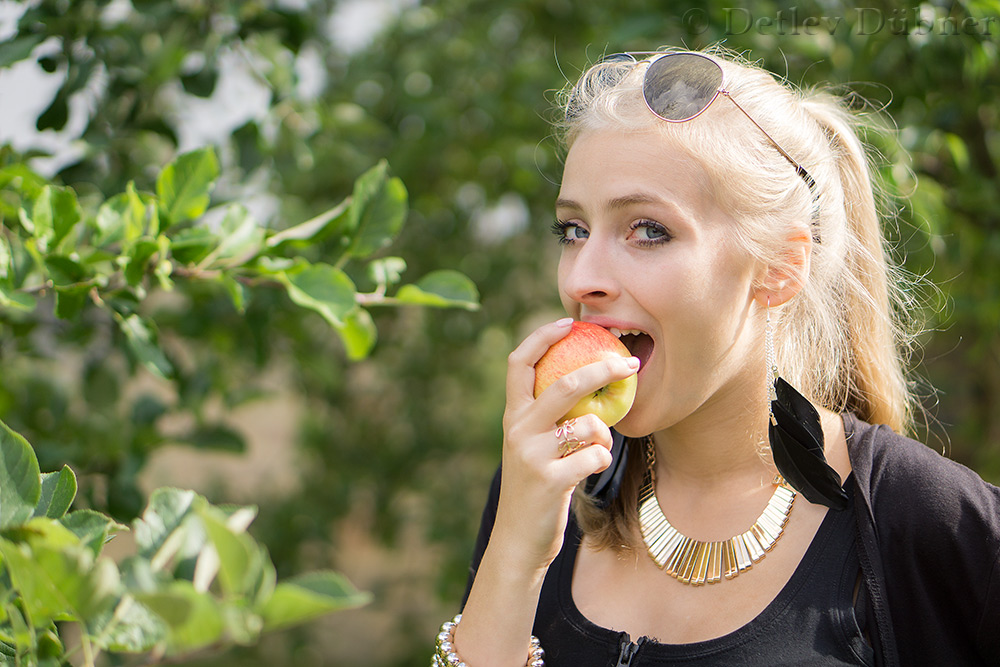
{"x": 753, "y": 515}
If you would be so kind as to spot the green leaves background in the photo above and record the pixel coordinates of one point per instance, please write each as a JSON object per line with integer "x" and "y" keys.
{"x": 395, "y": 453}
{"x": 53, "y": 571}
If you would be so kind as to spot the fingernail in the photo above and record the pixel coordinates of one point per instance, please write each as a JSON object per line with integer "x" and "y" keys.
{"x": 633, "y": 363}
{"x": 564, "y": 322}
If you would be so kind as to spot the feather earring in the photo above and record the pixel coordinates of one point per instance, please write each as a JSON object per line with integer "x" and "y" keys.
{"x": 796, "y": 437}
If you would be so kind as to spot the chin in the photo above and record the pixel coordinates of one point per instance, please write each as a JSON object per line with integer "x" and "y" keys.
{"x": 631, "y": 427}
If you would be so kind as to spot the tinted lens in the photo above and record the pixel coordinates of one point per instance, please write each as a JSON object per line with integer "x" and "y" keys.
{"x": 679, "y": 87}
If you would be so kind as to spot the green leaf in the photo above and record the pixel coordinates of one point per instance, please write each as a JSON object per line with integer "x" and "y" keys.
{"x": 19, "y": 48}
{"x": 66, "y": 213}
{"x": 243, "y": 626}
{"x": 242, "y": 236}
{"x": 119, "y": 219}
{"x": 141, "y": 338}
{"x": 316, "y": 228}
{"x": 138, "y": 260}
{"x": 54, "y": 213}
{"x": 441, "y": 289}
{"x": 164, "y": 267}
{"x": 60, "y": 581}
{"x": 309, "y": 596}
{"x": 64, "y": 271}
{"x": 11, "y": 298}
{"x": 164, "y": 514}
{"x": 55, "y": 116}
{"x": 20, "y": 479}
{"x": 128, "y": 628}
{"x": 58, "y": 492}
{"x": 239, "y": 557}
{"x": 378, "y": 211}
{"x": 184, "y": 185}
{"x": 50, "y": 648}
{"x": 5, "y": 257}
{"x": 70, "y": 301}
{"x": 236, "y": 292}
{"x": 202, "y": 82}
{"x": 110, "y": 220}
{"x": 192, "y": 245}
{"x": 216, "y": 437}
{"x": 22, "y": 634}
{"x": 324, "y": 289}
{"x": 194, "y": 620}
{"x": 358, "y": 334}
{"x": 92, "y": 528}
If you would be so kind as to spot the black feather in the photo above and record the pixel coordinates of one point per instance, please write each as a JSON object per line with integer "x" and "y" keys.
{"x": 797, "y": 447}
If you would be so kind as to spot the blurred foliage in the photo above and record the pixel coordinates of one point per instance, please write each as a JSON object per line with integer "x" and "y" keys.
{"x": 196, "y": 579}
{"x": 456, "y": 95}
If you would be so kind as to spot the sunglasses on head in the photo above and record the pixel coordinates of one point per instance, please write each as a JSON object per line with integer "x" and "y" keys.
{"x": 679, "y": 87}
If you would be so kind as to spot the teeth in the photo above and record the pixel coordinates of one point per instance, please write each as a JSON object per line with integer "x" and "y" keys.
{"x": 624, "y": 332}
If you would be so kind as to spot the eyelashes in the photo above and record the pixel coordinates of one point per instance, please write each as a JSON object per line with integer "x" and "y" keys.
{"x": 642, "y": 232}
{"x": 561, "y": 228}
{"x": 650, "y": 232}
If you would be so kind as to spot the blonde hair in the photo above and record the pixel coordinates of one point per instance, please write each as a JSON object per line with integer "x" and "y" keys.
{"x": 841, "y": 340}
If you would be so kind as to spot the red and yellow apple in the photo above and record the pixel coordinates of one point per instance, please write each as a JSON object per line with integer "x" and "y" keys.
{"x": 586, "y": 344}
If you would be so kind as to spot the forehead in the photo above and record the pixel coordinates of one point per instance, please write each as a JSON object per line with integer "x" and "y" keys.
{"x": 605, "y": 165}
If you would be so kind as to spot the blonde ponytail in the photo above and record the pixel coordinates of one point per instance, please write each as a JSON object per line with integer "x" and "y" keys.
{"x": 872, "y": 383}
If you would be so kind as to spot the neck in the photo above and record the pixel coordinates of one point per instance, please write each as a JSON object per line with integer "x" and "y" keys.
{"x": 708, "y": 450}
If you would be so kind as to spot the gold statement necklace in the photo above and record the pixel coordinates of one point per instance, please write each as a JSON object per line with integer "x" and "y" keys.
{"x": 695, "y": 562}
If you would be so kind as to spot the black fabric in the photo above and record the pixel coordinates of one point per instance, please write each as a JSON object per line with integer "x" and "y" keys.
{"x": 810, "y": 622}
{"x": 930, "y": 548}
{"x": 928, "y": 544}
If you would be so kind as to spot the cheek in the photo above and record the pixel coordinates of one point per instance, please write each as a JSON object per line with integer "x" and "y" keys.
{"x": 703, "y": 310}
{"x": 571, "y": 306}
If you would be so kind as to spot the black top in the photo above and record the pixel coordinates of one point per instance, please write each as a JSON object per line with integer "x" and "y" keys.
{"x": 810, "y": 622}
{"x": 929, "y": 544}
{"x": 928, "y": 541}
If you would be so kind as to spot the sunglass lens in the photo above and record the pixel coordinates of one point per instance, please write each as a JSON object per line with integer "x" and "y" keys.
{"x": 679, "y": 87}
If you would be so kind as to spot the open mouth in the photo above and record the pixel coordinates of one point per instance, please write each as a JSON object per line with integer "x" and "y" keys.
{"x": 639, "y": 343}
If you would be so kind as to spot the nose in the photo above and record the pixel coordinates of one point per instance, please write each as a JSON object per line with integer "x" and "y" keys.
{"x": 587, "y": 275}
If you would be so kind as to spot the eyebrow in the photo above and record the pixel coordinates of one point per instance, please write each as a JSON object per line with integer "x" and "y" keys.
{"x": 617, "y": 203}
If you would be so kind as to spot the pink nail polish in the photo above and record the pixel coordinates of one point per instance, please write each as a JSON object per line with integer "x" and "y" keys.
{"x": 564, "y": 322}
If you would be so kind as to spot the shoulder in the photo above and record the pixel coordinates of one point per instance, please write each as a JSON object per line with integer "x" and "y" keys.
{"x": 936, "y": 527}
{"x": 903, "y": 478}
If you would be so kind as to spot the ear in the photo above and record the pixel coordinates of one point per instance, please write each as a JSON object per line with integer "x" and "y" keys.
{"x": 780, "y": 282}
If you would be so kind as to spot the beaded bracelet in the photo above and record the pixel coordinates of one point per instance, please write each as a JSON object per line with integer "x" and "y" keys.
{"x": 446, "y": 656}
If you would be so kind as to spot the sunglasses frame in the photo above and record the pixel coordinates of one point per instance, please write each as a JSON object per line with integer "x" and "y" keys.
{"x": 630, "y": 56}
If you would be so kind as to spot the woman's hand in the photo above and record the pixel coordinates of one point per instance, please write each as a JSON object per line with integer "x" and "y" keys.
{"x": 535, "y": 491}
{"x": 537, "y": 482}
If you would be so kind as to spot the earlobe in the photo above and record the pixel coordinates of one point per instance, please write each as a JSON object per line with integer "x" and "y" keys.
{"x": 783, "y": 280}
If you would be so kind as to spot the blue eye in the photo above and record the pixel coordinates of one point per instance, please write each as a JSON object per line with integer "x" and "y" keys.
{"x": 647, "y": 232}
{"x": 569, "y": 232}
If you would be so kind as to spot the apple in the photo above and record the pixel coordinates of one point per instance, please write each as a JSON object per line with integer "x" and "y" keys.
{"x": 585, "y": 344}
